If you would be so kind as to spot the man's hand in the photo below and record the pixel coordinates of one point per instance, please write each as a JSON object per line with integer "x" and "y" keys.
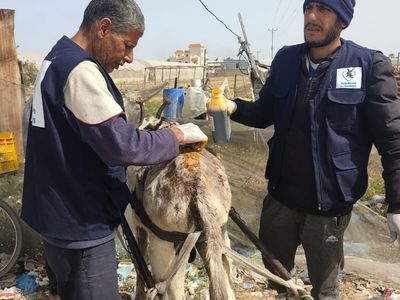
{"x": 219, "y": 102}
{"x": 189, "y": 134}
{"x": 231, "y": 106}
{"x": 393, "y": 221}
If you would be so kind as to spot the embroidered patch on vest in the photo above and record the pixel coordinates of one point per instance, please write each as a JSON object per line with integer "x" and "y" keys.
{"x": 349, "y": 78}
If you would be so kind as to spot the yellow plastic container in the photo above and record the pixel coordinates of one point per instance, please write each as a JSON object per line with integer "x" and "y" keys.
{"x": 219, "y": 118}
{"x": 8, "y": 153}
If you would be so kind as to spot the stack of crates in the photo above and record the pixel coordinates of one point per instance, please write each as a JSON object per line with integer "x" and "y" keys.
{"x": 8, "y": 153}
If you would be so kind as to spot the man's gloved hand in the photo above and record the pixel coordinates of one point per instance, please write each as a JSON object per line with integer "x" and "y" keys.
{"x": 231, "y": 106}
{"x": 191, "y": 134}
{"x": 393, "y": 221}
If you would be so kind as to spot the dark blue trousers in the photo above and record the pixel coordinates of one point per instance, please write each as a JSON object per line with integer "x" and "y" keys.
{"x": 85, "y": 274}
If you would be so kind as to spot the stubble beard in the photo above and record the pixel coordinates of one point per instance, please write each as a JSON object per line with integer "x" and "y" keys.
{"x": 333, "y": 34}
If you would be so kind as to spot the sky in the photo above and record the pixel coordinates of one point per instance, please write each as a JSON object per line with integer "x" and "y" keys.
{"x": 174, "y": 24}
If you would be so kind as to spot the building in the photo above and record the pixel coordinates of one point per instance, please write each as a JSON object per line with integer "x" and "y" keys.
{"x": 196, "y": 54}
{"x": 231, "y": 63}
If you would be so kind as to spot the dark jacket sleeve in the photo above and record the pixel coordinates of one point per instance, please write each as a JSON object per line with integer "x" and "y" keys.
{"x": 119, "y": 143}
{"x": 260, "y": 113}
{"x": 383, "y": 119}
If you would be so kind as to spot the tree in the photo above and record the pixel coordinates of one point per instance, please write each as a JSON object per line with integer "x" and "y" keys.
{"x": 29, "y": 72}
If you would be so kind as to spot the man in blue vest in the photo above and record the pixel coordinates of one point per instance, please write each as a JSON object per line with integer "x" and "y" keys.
{"x": 79, "y": 144}
{"x": 328, "y": 99}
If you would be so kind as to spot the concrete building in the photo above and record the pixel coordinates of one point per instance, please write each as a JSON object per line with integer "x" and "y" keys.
{"x": 231, "y": 63}
{"x": 196, "y": 54}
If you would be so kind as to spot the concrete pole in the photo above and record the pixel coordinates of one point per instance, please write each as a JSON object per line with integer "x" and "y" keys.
{"x": 272, "y": 30}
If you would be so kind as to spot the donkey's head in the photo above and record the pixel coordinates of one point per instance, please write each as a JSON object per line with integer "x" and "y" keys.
{"x": 134, "y": 100}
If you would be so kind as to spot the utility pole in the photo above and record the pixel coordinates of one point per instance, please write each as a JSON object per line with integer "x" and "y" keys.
{"x": 272, "y": 30}
{"x": 246, "y": 47}
{"x": 257, "y": 52}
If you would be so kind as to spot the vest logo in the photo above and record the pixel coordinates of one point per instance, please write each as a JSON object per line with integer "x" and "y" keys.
{"x": 349, "y": 74}
{"x": 349, "y": 78}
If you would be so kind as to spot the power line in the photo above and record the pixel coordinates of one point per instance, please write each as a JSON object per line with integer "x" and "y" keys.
{"x": 276, "y": 11}
{"x": 292, "y": 19}
{"x": 218, "y": 18}
{"x": 286, "y": 11}
{"x": 287, "y": 22}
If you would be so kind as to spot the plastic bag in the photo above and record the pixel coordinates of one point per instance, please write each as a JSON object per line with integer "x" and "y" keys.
{"x": 195, "y": 102}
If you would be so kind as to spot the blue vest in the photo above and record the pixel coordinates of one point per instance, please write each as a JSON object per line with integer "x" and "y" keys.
{"x": 69, "y": 192}
{"x": 339, "y": 136}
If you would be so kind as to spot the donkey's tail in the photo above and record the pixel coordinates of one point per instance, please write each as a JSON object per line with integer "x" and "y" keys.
{"x": 213, "y": 256}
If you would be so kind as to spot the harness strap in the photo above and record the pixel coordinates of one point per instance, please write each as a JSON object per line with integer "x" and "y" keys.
{"x": 169, "y": 236}
{"x": 181, "y": 258}
{"x": 175, "y": 237}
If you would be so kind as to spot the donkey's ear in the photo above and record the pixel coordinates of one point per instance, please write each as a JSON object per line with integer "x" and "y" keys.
{"x": 131, "y": 96}
{"x": 146, "y": 94}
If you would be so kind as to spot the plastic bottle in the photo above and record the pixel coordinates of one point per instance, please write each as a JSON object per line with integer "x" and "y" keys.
{"x": 175, "y": 98}
{"x": 219, "y": 118}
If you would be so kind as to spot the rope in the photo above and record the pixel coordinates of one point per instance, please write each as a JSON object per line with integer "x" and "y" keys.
{"x": 306, "y": 296}
{"x": 180, "y": 259}
{"x": 291, "y": 284}
{"x": 151, "y": 294}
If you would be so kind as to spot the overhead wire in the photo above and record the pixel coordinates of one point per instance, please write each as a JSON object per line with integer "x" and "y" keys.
{"x": 241, "y": 49}
{"x": 293, "y": 17}
{"x": 283, "y": 17}
{"x": 288, "y": 16}
{"x": 219, "y": 20}
{"x": 276, "y": 11}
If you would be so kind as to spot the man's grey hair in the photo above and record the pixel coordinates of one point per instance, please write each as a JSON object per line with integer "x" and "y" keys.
{"x": 124, "y": 14}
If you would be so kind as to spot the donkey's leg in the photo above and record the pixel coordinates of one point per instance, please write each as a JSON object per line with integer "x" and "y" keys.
{"x": 162, "y": 255}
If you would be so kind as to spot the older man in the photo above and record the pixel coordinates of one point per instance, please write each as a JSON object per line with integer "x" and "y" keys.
{"x": 78, "y": 145}
{"x": 329, "y": 99}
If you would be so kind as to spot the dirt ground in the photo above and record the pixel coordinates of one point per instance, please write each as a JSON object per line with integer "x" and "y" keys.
{"x": 247, "y": 285}
{"x": 362, "y": 278}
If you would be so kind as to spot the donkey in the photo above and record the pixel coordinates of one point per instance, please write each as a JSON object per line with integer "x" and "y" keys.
{"x": 190, "y": 193}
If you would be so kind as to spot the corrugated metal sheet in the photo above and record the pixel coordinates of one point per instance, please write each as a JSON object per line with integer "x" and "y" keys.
{"x": 11, "y": 90}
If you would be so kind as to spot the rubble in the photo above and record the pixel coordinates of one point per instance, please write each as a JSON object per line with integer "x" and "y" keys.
{"x": 247, "y": 285}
